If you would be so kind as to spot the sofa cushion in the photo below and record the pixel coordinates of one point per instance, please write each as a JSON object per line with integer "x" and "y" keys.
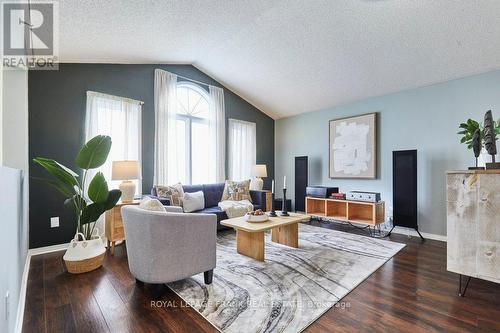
{"x": 237, "y": 190}
{"x": 213, "y": 194}
{"x": 212, "y": 197}
{"x": 192, "y": 188}
{"x": 255, "y": 207}
{"x": 173, "y": 193}
{"x": 152, "y": 205}
{"x": 221, "y": 215}
{"x": 193, "y": 202}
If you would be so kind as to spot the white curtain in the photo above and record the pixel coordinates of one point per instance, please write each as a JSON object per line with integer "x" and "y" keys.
{"x": 242, "y": 149}
{"x": 120, "y": 118}
{"x": 217, "y": 125}
{"x": 168, "y": 168}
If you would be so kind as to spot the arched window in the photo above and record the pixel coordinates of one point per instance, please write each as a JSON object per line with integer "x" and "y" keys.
{"x": 193, "y": 125}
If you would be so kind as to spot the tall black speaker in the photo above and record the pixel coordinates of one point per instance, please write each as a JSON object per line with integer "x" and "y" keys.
{"x": 300, "y": 183}
{"x": 404, "y": 189}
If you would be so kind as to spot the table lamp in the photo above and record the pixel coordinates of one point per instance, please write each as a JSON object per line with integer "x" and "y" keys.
{"x": 258, "y": 171}
{"x": 126, "y": 171}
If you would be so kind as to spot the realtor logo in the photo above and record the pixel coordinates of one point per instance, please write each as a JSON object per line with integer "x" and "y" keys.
{"x": 30, "y": 34}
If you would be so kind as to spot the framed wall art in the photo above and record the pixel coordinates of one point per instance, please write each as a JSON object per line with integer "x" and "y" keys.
{"x": 353, "y": 147}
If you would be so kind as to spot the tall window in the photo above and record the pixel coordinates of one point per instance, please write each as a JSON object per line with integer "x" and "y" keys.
{"x": 193, "y": 133}
{"x": 190, "y": 133}
{"x": 120, "y": 118}
{"x": 242, "y": 149}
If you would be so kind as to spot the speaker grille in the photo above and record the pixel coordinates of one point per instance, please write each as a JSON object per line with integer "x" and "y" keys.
{"x": 404, "y": 188}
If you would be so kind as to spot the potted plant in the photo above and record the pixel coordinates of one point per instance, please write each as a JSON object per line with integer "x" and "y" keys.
{"x": 472, "y": 133}
{"x": 86, "y": 251}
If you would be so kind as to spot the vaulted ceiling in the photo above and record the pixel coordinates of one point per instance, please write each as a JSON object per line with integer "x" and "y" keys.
{"x": 288, "y": 57}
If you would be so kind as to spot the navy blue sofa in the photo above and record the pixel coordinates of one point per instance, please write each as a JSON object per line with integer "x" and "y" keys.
{"x": 213, "y": 195}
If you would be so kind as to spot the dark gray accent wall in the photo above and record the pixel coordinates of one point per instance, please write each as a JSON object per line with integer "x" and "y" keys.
{"x": 57, "y": 101}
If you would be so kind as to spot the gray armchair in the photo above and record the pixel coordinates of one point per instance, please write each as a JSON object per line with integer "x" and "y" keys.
{"x": 165, "y": 247}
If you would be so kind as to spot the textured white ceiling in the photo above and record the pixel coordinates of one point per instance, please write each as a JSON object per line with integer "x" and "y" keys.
{"x": 289, "y": 57}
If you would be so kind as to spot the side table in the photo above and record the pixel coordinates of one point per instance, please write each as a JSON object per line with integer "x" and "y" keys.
{"x": 114, "y": 225}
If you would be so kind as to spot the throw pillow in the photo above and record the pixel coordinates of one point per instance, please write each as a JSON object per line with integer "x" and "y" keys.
{"x": 174, "y": 193}
{"x": 193, "y": 201}
{"x": 237, "y": 191}
{"x": 151, "y": 204}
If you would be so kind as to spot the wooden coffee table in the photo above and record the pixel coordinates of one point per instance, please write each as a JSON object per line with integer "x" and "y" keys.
{"x": 250, "y": 235}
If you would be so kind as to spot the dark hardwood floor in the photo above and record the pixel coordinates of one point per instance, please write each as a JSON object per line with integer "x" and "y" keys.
{"x": 412, "y": 292}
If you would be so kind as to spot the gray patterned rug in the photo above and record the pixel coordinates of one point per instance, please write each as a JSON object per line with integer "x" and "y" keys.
{"x": 292, "y": 288}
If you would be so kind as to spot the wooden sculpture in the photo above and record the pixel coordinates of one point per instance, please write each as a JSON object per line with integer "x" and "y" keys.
{"x": 476, "y": 146}
{"x": 490, "y": 140}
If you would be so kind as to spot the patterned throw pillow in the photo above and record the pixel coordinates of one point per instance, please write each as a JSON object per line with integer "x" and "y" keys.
{"x": 151, "y": 204}
{"x": 237, "y": 191}
{"x": 173, "y": 193}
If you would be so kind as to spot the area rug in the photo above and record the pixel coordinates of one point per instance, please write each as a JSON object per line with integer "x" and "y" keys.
{"x": 292, "y": 288}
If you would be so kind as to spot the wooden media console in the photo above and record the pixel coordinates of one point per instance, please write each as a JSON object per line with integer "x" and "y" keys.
{"x": 371, "y": 213}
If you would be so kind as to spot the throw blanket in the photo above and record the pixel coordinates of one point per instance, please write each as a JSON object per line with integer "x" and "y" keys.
{"x": 236, "y": 208}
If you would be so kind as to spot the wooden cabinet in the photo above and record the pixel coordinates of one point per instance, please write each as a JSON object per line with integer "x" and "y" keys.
{"x": 114, "y": 224}
{"x": 473, "y": 223}
{"x": 371, "y": 213}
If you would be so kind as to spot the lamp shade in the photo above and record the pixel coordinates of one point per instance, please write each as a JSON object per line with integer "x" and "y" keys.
{"x": 259, "y": 170}
{"x": 125, "y": 170}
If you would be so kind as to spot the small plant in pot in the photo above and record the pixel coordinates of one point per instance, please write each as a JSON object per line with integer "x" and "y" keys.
{"x": 474, "y": 136}
{"x": 86, "y": 251}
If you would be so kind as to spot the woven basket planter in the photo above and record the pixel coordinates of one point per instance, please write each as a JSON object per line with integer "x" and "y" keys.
{"x": 84, "y": 255}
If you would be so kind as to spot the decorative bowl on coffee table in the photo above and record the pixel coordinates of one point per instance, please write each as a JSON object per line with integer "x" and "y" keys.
{"x": 256, "y": 218}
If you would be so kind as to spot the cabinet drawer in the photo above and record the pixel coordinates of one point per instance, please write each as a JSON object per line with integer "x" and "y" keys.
{"x": 114, "y": 225}
{"x": 118, "y": 222}
{"x": 117, "y": 213}
{"x": 118, "y": 233}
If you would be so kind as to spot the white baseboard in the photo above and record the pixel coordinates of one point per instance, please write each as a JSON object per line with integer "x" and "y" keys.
{"x": 22, "y": 295}
{"x": 47, "y": 249}
{"x": 24, "y": 280}
{"x": 413, "y": 232}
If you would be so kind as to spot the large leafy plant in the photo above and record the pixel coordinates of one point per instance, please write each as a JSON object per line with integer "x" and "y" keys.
{"x": 468, "y": 128}
{"x": 98, "y": 199}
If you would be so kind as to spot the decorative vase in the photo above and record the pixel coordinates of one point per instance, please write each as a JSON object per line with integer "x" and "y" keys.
{"x": 84, "y": 255}
{"x": 128, "y": 190}
{"x": 256, "y": 184}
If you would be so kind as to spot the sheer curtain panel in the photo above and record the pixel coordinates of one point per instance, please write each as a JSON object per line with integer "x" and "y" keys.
{"x": 120, "y": 118}
{"x": 168, "y": 168}
{"x": 217, "y": 124}
{"x": 242, "y": 149}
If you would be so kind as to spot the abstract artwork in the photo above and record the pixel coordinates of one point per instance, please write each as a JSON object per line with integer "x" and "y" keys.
{"x": 353, "y": 148}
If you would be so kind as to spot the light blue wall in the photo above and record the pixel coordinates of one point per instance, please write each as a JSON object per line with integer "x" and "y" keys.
{"x": 425, "y": 119}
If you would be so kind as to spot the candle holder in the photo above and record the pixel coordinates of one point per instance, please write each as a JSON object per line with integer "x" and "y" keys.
{"x": 283, "y": 206}
{"x": 272, "y": 213}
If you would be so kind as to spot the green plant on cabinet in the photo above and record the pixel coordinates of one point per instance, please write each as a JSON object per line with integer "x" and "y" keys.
{"x": 468, "y": 128}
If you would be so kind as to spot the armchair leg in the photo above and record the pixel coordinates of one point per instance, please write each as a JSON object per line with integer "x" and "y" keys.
{"x": 158, "y": 290}
{"x": 208, "y": 275}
